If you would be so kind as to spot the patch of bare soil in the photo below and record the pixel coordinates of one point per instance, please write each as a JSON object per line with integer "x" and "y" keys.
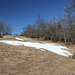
{"x": 22, "y": 60}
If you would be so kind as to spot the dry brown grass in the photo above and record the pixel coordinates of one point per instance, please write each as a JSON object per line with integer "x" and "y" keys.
{"x": 21, "y": 60}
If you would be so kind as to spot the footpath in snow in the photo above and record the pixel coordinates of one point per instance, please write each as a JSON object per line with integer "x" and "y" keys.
{"x": 46, "y": 46}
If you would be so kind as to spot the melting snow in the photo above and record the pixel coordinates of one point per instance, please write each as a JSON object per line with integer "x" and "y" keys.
{"x": 47, "y": 46}
{"x": 18, "y": 38}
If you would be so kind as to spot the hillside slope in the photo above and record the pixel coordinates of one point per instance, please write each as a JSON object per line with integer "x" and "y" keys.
{"x": 22, "y": 60}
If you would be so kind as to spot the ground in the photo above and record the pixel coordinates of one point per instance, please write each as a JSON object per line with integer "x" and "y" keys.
{"x": 22, "y": 60}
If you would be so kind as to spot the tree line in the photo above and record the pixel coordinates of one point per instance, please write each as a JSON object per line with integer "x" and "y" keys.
{"x": 62, "y": 29}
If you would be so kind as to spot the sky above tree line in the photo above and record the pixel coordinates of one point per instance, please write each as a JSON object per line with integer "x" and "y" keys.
{"x": 20, "y": 13}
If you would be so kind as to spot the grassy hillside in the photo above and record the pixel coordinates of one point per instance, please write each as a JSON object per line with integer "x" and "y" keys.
{"x": 21, "y": 60}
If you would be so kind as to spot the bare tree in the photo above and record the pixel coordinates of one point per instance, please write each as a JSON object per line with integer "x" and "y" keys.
{"x": 61, "y": 30}
{"x": 73, "y": 4}
{"x": 5, "y": 29}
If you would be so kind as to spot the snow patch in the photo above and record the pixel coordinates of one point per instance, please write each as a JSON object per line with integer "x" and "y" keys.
{"x": 18, "y": 38}
{"x": 46, "y": 46}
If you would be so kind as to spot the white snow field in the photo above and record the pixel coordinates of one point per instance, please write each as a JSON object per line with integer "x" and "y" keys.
{"x": 18, "y": 38}
{"x": 46, "y": 46}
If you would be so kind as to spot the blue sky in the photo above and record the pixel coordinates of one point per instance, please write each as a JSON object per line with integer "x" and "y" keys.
{"x": 20, "y": 13}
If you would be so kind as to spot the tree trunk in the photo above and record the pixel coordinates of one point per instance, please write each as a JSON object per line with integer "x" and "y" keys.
{"x": 65, "y": 39}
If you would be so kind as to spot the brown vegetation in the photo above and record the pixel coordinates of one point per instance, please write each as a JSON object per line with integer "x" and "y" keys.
{"x": 22, "y": 60}
{"x": 59, "y": 42}
{"x": 68, "y": 44}
{"x": 29, "y": 61}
